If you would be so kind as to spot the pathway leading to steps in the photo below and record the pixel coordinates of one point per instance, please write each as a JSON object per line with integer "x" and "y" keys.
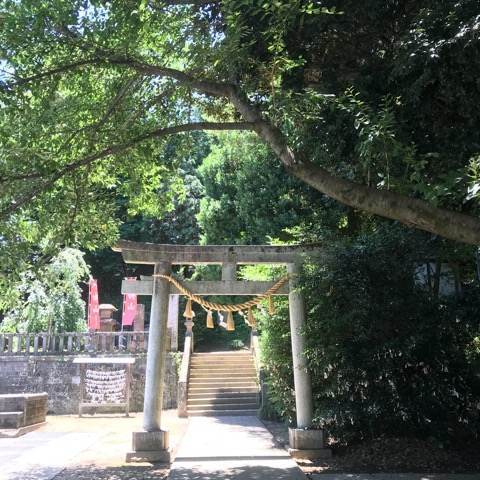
{"x": 231, "y": 448}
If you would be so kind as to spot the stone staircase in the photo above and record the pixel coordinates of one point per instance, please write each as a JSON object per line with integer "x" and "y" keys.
{"x": 222, "y": 383}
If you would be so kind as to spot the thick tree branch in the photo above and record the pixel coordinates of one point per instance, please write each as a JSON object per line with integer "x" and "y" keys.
{"x": 104, "y": 59}
{"x": 418, "y": 213}
{"x": 211, "y": 87}
{"x": 410, "y": 211}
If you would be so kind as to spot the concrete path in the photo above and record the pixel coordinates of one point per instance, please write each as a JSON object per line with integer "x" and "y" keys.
{"x": 88, "y": 448}
{"x": 43, "y": 454}
{"x": 231, "y": 448}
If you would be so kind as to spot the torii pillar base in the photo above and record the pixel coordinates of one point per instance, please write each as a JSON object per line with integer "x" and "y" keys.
{"x": 307, "y": 444}
{"x": 150, "y": 447}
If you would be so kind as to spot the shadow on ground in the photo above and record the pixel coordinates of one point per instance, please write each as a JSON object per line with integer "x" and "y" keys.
{"x": 237, "y": 472}
{"x": 96, "y": 472}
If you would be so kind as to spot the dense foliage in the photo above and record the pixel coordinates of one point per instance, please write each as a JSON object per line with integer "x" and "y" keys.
{"x": 386, "y": 356}
{"x": 247, "y": 195}
{"x": 177, "y": 225}
{"x": 49, "y": 299}
{"x": 389, "y": 355}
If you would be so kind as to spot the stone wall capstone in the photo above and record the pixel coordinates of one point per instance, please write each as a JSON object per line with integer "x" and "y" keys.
{"x": 60, "y": 378}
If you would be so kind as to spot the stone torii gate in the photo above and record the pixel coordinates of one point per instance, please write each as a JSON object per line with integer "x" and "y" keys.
{"x": 152, "y": 443}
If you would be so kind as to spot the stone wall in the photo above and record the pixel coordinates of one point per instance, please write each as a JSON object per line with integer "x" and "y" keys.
{"x": 60, "y": 378}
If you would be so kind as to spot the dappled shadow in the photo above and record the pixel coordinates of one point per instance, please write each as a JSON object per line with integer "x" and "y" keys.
{"x": 93, "y": 472}
{"x": 233, "y": 471}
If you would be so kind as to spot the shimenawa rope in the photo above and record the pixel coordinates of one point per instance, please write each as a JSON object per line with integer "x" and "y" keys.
{"x": 223, "y": 307}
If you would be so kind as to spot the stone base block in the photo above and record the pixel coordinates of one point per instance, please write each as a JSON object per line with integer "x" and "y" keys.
{"x": 307, "y": 444}
{"x": 310, "y": 454}
{"x": 160, "y": 456}
{"x": 301, "y": 439}
{"x": 150, "y": 447}
{"x": 150, "y": 441}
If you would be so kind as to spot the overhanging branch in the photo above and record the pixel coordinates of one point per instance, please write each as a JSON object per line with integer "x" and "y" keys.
{"x": 171, "y": 3}
{"x": 69, "y": 67}
{"x": 409, "y": 211}
{"x": 108, "y": 151}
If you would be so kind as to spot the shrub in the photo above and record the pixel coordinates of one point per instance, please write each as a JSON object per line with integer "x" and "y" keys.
{"x": 385, "y": 356}
{"x": 276, "y": 357}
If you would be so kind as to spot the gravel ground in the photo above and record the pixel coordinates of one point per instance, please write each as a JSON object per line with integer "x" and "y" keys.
{"x": 394, "y": 455}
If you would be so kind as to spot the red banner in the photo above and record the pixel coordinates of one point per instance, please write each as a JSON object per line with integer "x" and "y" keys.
{"x": 93, "y": 310}
{"x": 129, "y": 307}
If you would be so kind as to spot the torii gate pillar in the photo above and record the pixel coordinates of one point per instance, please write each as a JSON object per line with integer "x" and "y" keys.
{"x": 157, "y": 346}
{"x": 301, "y": 375}
{"x": 152, "y": 444}
{"x": 305, "y": 443}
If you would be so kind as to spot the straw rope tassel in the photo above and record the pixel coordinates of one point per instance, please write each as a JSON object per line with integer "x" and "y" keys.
{"x": 209, "y": 319}
{"x": 271, "y": 306}
{"x": 189, "y": 313}
{"x": 230, "y": 322}
{"x": 251, "y": 319}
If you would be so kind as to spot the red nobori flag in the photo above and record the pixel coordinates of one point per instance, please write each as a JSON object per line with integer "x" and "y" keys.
{"x": 129, "y": 306}
{"x": 93, "y": 310}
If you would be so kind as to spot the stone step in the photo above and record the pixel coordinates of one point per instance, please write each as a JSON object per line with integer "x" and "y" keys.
{"x": 212, "y": 400}
{"x": 229, "y": 353}
{"x": 199, "y": 356}
{"x": 222, "y": 383}
{"x": 215, "y": 390}
{"x": 223, "y": 406}
{"x": 221, "y": 413}
{"x": 222, "y": 370}
{"x": 225, "y": 365}
{"x": 226, "y": 376}
{"x": 220, "y": 358}
{"x": 223, "y": 358}
{"x": 11, "y": 419}
{"x": 219, "y": 383}
{"x": 219, "y": 393}
{"x": 235, "y": 375}
{"x": 222, "y": 354}
{"x": 219, "y": 378}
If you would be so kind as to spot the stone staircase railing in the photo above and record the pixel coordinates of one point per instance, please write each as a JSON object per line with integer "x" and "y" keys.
{"x": 182, "y": 392}
{"x": 73, "y": 343}
{"x": 255, "y": 348}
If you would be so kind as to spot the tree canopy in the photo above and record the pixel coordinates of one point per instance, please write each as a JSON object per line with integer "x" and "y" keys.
{"x": 373, "y": 105}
